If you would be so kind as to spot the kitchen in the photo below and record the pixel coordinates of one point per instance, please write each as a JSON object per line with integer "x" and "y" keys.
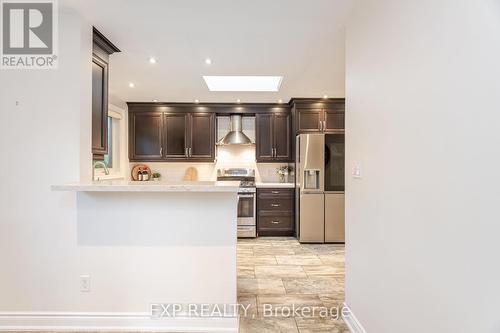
{"x": 277, "y": 169}
{"x": 249, "y": 166}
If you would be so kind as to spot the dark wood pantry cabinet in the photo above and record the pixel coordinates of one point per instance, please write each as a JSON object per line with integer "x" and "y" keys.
{"x": 102, "y": 48}
{"x": 273, "y": 137}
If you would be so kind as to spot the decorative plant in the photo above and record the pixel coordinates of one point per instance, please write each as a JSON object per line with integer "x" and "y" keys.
{"x": 156, "y": 175}
{"x": 282, "y": 171}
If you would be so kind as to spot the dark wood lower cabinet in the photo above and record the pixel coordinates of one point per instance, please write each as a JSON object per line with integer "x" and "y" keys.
{"x": 275, "y": 211}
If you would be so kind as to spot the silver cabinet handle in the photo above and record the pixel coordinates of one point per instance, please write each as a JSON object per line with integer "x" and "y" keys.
{"x": 186, "y": 152}
{"x": 324, "y": 125}
{"x": 275, "y": 192}
{"x": 320, "y": 125}
{"x": 161, "y": 151}
{"x": 275, "y": 205}
{"x": 190, "y": 155}
{"x": 275, "y": 222}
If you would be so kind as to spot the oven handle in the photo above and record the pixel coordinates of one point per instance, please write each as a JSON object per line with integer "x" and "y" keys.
{"x": 245, "y": 195}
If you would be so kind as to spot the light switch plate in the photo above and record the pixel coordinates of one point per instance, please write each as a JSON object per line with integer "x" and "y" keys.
{"x": 85, "y": 283}
{"x": 356, "y": 173}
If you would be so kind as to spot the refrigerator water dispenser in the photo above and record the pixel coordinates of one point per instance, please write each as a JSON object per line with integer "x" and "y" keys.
{"x": 311, "y": 179}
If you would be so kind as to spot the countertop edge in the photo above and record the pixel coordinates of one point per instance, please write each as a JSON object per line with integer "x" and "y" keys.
{"x": 274, "y": 185}
{"x": 145, "y": 188}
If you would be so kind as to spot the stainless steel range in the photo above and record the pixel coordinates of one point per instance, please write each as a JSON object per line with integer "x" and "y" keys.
{"x": 246, "y": 198}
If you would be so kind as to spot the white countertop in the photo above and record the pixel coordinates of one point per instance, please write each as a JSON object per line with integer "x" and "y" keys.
{"x": 274, "y": 185}
{"x": 150, "y": 186}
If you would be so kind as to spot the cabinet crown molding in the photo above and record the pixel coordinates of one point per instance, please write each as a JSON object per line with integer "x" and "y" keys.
{"x": 103, "y": 42}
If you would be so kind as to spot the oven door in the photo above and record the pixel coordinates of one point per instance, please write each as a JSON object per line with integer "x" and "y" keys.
{"x": 246, "y": 209}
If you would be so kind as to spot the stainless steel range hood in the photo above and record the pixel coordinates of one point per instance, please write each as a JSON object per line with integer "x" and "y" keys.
{"x": 235, "y": 135}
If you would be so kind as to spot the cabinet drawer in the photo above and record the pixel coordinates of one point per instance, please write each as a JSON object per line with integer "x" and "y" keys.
{"x": 276, "y": 222}
{"x": 276, "y": 204}
{"x": 266, "y": 193}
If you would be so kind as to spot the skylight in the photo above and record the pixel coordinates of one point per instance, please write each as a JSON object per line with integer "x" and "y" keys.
{"x": 243, "y": 83}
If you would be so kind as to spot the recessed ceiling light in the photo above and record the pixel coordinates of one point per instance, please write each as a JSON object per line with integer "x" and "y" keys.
{"x": 131, "y": 84}
{"x": 280, "y": 101}
{"x": 243, "y": 83}
{"x": 325, "y": 96}
{"x": 155, "y": 100}
{"x": 238, "y": 101}
{"x": 208, "y": 61}
{"x": 152, "y": 60}
{"x": 196, "y": 101}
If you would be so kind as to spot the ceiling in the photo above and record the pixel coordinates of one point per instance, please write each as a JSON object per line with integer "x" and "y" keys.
{"x": 301, "y": 40}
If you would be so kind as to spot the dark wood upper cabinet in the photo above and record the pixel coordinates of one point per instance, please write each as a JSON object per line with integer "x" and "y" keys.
{"x": 202, "y": 136}
{"x": 171, "y": 136}
{"x": 273, "y": 137}
{"x": 99, "y": 106}
{"x": 264, "y": 137}
{"x": 282, "y": 137}
{"x": 102, "y": 48}
{"x": 175, "y": 127}
{"x": 146, "y": 136}
{"x": 334, "y": 120}
{"x": 309, "y": 120}
{"x": 318, "y": 116}
{"x": 188, "y": 131}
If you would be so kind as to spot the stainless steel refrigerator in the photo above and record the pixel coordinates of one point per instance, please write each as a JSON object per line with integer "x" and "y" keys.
{"x": 320, "y": 188}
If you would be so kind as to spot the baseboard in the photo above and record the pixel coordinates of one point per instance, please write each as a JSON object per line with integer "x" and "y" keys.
{"x": 111, "y": 322}
{"x": 351, "y": 321}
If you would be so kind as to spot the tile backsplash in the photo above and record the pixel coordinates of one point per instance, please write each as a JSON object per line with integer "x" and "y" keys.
{"x": 227, "y": 157}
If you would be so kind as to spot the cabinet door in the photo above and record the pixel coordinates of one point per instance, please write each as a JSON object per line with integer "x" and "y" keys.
{"x": 175, "y": 127}
{"x": 145, "y": 136}
{"x": 309, "y": 120}
{"x": 202, "y": 137}
{"x": 334, "y": 120}
{"x": 282, "y": 137}
{"x": 99, "y": 107}
{"x": 264, "y": 137}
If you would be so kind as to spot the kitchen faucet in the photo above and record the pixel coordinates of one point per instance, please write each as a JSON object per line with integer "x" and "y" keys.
{"x": 96, "y": 163}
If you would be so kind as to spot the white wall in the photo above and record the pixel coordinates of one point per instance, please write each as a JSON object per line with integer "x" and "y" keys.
{"x": 423, "y": 123}
{"x": 45, "y": 140}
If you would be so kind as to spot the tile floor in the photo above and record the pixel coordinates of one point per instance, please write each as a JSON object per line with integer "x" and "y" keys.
{"x": 275, "y": 273}
{"x": 279, "y": 272}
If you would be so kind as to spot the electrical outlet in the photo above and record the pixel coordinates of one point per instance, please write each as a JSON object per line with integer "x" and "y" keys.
{"x": 85, "y": 283}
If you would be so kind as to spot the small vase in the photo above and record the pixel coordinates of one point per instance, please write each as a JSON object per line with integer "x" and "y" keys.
{"x": 282, "y": 178}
